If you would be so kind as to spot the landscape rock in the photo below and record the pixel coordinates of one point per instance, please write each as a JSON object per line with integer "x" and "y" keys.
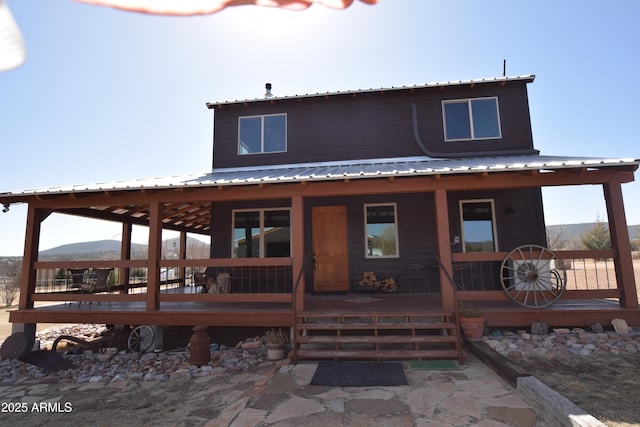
{"x": 620, "y": 326}
{"x": 564, "y": 342}
{"x": 539, "y": 328}
{"x": 597, "y": 328}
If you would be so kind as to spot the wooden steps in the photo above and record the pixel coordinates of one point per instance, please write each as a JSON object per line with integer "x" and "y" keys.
{"x": 378, "y": 336}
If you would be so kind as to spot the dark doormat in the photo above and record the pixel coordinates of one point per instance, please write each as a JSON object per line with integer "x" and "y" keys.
{"x": 359, "y": 374}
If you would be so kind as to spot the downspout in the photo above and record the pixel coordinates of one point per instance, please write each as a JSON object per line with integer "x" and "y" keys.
{"x": 429, "y": 153}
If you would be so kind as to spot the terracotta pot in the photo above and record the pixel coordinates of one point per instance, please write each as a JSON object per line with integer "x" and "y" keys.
{"x": 472, "y": 327}
{"x": 275, "y": 351}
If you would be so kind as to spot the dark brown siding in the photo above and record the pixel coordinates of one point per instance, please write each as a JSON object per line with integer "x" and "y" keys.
{"x": 372, "y": 125}
{"x": 416, "y": 228}
{"x": 416, "y": 236}
{"x": 523, "y": 226}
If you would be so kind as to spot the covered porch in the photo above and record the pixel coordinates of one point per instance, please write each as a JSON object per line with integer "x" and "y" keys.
{"x": 280, "y": 291}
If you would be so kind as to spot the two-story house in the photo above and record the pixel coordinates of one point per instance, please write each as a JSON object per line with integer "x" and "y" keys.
{"x": 422, "y": 196}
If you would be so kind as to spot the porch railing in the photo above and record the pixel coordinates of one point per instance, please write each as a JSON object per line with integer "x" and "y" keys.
{"x": 590, "y": 274}
{"x": 254, "y": 280}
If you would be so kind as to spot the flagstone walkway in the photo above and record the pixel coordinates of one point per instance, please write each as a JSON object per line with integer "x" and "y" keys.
{"x": 276, "y": 394}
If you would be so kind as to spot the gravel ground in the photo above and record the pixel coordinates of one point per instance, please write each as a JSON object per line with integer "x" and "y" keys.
{"x": 598, "y": 371}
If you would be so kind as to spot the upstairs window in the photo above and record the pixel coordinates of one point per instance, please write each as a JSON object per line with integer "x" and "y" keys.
{"x": 381, "y": 229}
{"x": 468, "y": 119}
{"x": 262, "y": 134}
{"x": 478, "y": 226}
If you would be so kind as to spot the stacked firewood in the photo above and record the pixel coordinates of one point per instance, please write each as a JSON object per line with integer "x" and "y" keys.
{"x": 369, "y": 280}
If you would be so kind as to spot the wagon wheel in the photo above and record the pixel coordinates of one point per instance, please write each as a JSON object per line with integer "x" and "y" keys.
{"x": 141, "y": 339}
{"x": 533, "y": 276}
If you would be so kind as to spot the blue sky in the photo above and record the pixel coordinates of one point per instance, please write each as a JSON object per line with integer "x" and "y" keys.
{"x": 107, "y": 95}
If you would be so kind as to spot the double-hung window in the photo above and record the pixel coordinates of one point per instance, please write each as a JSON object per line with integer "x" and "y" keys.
{"x": 469, "y": 119}
{"x": 262, "y": 134}
{"x": 478, "y": 226}
{"x": 381, "y": 230}
{"x": 261, "y": 233}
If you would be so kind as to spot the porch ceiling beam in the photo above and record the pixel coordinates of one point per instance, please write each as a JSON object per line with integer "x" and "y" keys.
{"x": 104, "y": 215}
{"x": 193, "y": 213}
{"x": 189, "y": 208}
{"x": 193, "y": 223}
{"x": 198, "y": 225}
{"x": 200, "y": 219}
{"x": 125, "y": 219}
{"x": 136, "y": 209}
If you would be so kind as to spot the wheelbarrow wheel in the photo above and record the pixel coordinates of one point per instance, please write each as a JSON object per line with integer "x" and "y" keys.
{"x": 141, "y": 339}
{"x": 533, "y": 276}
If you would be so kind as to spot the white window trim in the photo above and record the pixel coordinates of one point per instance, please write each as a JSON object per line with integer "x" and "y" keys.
{"x": 395, "y": 225}
{"x": 262, "y": 116}
{"x": 493, "y": 222}
{"x": 261, "y": 211}
{"x": 468, "y": 100}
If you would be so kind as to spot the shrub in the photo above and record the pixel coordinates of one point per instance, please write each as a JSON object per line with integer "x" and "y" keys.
{"x": 9, "y": 290}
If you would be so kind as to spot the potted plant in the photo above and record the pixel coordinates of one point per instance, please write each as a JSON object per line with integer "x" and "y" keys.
{"x": 276, "y": 341}
{"x": 471, "y": 321}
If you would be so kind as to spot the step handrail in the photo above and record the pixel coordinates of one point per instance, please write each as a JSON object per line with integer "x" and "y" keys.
{"x": 294, "y": 306}
{"x": 454, "y": 286}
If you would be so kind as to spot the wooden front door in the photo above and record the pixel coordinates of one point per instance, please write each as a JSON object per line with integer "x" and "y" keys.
{"x": 330, "y": 249}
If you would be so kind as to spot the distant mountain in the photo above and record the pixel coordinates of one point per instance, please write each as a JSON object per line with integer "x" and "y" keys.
{"x": 86, "y": 247}
{"x": 90, "y": 251}
{"x": 110, "y": 249}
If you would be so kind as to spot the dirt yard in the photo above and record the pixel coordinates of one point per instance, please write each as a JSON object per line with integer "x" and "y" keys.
{"x": 5, "y": 326}
{"x": 604, "y": 386}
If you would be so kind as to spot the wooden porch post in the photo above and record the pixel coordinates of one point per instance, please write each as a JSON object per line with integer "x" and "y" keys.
{"x": 155, "y": 253}
{"x": 623, "y": 261}
{"x": 31, "y": 244}
{"x": 297, "y": 247}
{"x": 182, "y": 254}
{"x": 29, "y": 275}
{"x": 125, "y": 255}
{"x": 444, "y": 248}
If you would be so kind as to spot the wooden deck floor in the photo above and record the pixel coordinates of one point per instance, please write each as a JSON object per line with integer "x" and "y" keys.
{"x": 498, "y": 313}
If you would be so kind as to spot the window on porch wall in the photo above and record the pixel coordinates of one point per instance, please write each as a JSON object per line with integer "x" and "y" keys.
{"x": 477, "y": 218}
{"x": 261, "y": 233}
{"x": 381, "y": 231}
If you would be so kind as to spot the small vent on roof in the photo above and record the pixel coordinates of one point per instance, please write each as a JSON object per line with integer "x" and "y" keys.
{"x": 268, "y": 93}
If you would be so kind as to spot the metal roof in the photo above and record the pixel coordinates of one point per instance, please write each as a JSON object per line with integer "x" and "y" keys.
{"x": 526, "y": 78}
{"x": 353, "y": 169}
{"x": 195, "y": 216}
